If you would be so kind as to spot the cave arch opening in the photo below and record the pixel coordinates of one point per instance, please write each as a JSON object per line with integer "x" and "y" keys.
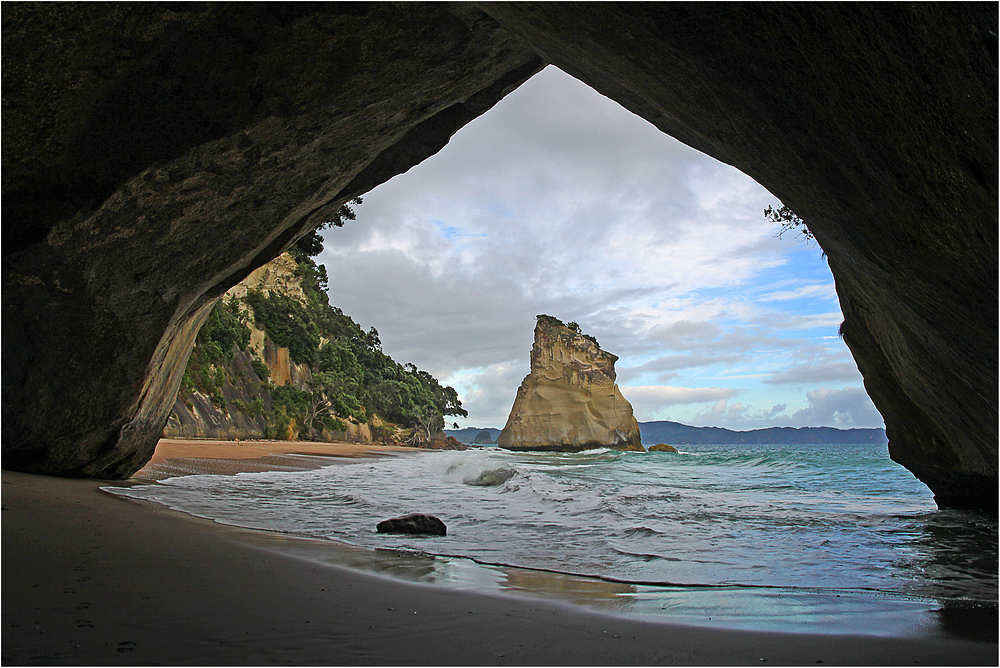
{"x": 560, "y": 201}
{"x": 888, "y": 157}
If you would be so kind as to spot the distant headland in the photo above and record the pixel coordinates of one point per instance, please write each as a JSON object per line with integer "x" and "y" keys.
{"x": 681, "y": 434}
{"x": 664, "y": 431}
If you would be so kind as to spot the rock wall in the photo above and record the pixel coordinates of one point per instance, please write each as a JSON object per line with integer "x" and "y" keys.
{"x": 195, "y": 415}
{"x": 155, "y": 154}
{"x": 569, "y": 400}
{"x": 877, "y": 124}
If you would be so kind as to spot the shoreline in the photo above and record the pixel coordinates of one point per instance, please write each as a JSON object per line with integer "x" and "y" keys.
{"x": 91, "y": 578}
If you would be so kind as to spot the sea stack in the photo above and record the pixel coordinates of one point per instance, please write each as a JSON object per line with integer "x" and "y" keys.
{"x": 569, "y": 401}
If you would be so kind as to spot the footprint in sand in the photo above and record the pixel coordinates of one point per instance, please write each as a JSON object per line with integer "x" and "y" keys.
{"x": 69, "y": 590}
{"x": 83, "y": 579}
{"x": 126, "y": 646}
{"x": 84, "y": 624}
{"x": 83, "y": 605}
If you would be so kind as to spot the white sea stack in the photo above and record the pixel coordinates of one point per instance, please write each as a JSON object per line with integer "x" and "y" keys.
{"x": 569, "y": 401}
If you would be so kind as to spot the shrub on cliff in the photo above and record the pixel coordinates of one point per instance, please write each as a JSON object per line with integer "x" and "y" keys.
{"x": 288, "y": 324}
{"x": 351, "y": 378}
{"x": 572, "y": 326}
{"x": 223, "y": 331}
{"x": 260, "y": 369}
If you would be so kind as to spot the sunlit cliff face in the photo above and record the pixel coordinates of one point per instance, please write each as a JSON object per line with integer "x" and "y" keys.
{"x": 569, "y": 401}
{"x": 139, "y": 184}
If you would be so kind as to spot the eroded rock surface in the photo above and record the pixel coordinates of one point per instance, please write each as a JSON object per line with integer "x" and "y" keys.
{"x": 877, "y": 124}
{"x": 569, "y": 401}
{"x": 155, "y": 154}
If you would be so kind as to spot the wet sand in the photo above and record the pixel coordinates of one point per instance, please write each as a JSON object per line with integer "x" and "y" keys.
{"x": 90, "y": 578}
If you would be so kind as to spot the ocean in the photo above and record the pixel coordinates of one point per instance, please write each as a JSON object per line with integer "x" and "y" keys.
{"x": 818, "y": 538}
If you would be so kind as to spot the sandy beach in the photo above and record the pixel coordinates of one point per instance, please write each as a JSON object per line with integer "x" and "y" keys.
{"x": 93, "y": 579}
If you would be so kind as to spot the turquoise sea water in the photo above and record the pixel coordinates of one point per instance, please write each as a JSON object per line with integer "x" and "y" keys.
{"x": 832, "y": 538}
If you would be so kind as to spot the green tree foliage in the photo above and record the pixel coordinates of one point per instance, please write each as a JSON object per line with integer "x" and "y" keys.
{"x": 224, "y": 328}
{"x": 259, "y": 368}
{"x": 223, "y": 332}
{"x": 551, "y": 319}
{"x": 351, "y": 377}
{"x": 311, "y": 244}
{"x": 287, "y": 322}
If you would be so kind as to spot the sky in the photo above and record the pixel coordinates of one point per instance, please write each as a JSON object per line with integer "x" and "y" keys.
{"x": 560, "y": 201}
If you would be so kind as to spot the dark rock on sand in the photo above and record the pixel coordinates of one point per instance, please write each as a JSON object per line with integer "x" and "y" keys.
{"x": 415, "y": 523}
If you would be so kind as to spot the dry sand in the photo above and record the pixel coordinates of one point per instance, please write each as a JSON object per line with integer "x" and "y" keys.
{"x": 171, "y": 448}
{"x": 90, "y": 578}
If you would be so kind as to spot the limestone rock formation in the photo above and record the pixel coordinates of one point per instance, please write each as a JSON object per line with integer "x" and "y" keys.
{"x": 569, "y": 401}
{"x": 156, "y": 153}
{"x": 278, "y": 275}
{"x": 662, "y": 447}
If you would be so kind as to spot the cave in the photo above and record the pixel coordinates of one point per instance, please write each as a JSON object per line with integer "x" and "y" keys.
{"x": 156, "y": 153}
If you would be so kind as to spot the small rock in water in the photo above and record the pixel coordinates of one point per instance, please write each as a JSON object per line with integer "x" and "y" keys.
{"x": 662, "y": 447}
{"x": 415, "y": 523}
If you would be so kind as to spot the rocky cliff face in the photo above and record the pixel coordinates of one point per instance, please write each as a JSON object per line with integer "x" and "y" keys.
{"x": 154, "y": 155}
{"x": 157, "y": 153}
{"x": 569, "y": 401}
{"x": 877, "y": 125}
{"x": 240, "y": 411}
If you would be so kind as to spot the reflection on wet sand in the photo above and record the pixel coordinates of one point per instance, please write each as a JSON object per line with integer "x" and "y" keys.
{"x": 606, "y": 596}
{"x": 460, "y": 573}
{"x": 756, "y": 609}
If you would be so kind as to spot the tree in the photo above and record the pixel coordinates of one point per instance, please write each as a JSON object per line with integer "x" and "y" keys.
{"x": 318, "y": 402}
{"x": 789, "y": 220}
{"x": 428, "y": 419}
{"x": 311, "y": 244}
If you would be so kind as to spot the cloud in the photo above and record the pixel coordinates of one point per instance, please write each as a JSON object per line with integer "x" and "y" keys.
{"x": 648, "y": 401}
{"x": 664, "y": 365}
{"x": 734, "y": 416}
{"x": 845, "y": 409}
{"x": 488, "y": 393}
{"x": 849, "y": 407}
{"x": 559, "y": 201}
{"x": 820, "y": 290}
{"x": 816, "y": 373}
